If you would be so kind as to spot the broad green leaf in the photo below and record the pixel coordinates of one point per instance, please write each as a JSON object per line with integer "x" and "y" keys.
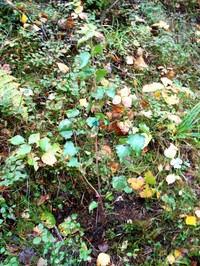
{"x": 149, "y": 178}
{"x": 98, "y": 49}
{"x": 69, "y": 149}
{"x": 98, "y": 95}
{"x": 48, "y": 219}
{"x": 144, "y": 128}
{"x": 136, "y": 142}
{"x": 93, "y": 205}
{"x": 86, "y": 73}
{"x": 37, "y": 240}
{"x": 33, "y": 138}
{"x": 84, "y": 59}
{"x": 119, "y": 183}
{"x": 24, "y": 149}
{"x": 110, "y": 92}
{"x": 100, "y": 74}
{"x": 73, "y": 162}
{"x": 122, "y": 151}
{"x": 72, "y": 113}
{"x": 92, "y": 121}
{"x": 44, "y": 144}
{"x": 55, "y": 148}
{"x": 66, "y": 134}
{"x": 65, "y": 125}
{"x": 17, "y": 140}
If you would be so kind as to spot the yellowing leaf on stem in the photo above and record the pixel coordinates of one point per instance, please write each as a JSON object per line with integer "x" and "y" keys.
{"x": 147, "y": 192}
{"x": 191, "y": 220}
{"x": 83, "y": 103}
{"x": 23, "y": 18}
{"x": 136, "y": 183}
{"x": 49, "y": 158}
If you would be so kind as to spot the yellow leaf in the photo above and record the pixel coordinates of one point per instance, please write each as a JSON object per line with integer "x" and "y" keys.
{"x": 147, "y": 139}
{"x": 124, "y": 92}
{"x": 105, "y": 82}
{"x": 170, "y": 259}
{"x": 191, "y": 220}
{"x": 49, "y": 158}
{"x": 171, "y": 100}
{"x": 62, "y": 67}
{"x": 147, "y": 192}
{"x": 23, "y": 18}
{"x": 103, "y": 259}
{"x": 136, "y": 183}
{"x": 83, "y": 102}
{"x": 177, "y": 253}
{"x": 162, "y": 25}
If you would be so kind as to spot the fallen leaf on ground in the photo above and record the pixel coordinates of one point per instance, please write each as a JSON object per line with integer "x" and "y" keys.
{"x": 191, "y": 220}
{"x": 162, "y": 25}
{"x": 49, "y": 158}
{"x": 171, "y": 151}
{"x": 63, "y": 68}
{"x": 170, "y": 179}
{"x": 129, "y": 60}
{"x": 83, "y": 103}
{"x": 127, "y": 101}
{"x": 197, "y": 212}
{"x": 103, "y": 259}
{"x": 136, "y": 183}
{"x": 170, "y": 259}
{"x": 116, "y": 100}
{"x": 140, "y": 63}
{"x": 23, "y": 18}
{"x": 124, "y": 92}
{"x": 155, "y": 86}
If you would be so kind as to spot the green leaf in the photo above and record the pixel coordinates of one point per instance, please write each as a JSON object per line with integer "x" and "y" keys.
{"x": 65, "y": 125}
{"x": 119, "y": 183}
{"x": 99, "y": 93}
{"x": 136, "y": 142}
{"x": 33, "y": 138}
{"x": 92, "y": 121}
{"x": 17, "y": 140}
{"x": 149, "y": 178}
{"x": 98, "y": 49}
{"x": 122, "y": 151}
{"x": 93, "y": 205}
{"x": 54, "y": 148}
{"x": 84, "y": 59}
{"x": 69, "y": 149}
{"x": 100, "y": 74}
{"x": 44, "y": 144}
{"x": 73, "y": 162}
{"x": 72, "y": 113}
{"x": 110, "y": 92}
{"x": 66, "y": 134}
{"x": 48, "y": 219}
{"x": 144, "y": 128}
{"x": 24, "y": 149}
{"x": 37, "y": 240}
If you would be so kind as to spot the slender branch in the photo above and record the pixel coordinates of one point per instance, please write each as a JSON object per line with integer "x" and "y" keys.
{"x": 107, "y": 10}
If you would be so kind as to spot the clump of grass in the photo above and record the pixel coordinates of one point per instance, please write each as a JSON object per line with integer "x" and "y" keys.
{"x": 189, "y": 127}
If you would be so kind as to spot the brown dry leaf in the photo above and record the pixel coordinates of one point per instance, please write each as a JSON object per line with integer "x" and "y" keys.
{"x": 129, "y": 60}
{"x": 37, "y": 231}
{"x": 49, "y": 158}
{"x": 42, "y": 199}
{"x": 114, "y": 166}
{"x": 136, "y": 183}
{"x": 140, "y": 64}
{"x": 103, "y": 259}
{"x": 106, "y": 150}
{"x": 124, "y": 126}
{"x": 63, "y": 68}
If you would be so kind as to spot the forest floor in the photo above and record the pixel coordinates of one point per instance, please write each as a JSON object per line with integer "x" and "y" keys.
{"x": 99, "y": 133}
